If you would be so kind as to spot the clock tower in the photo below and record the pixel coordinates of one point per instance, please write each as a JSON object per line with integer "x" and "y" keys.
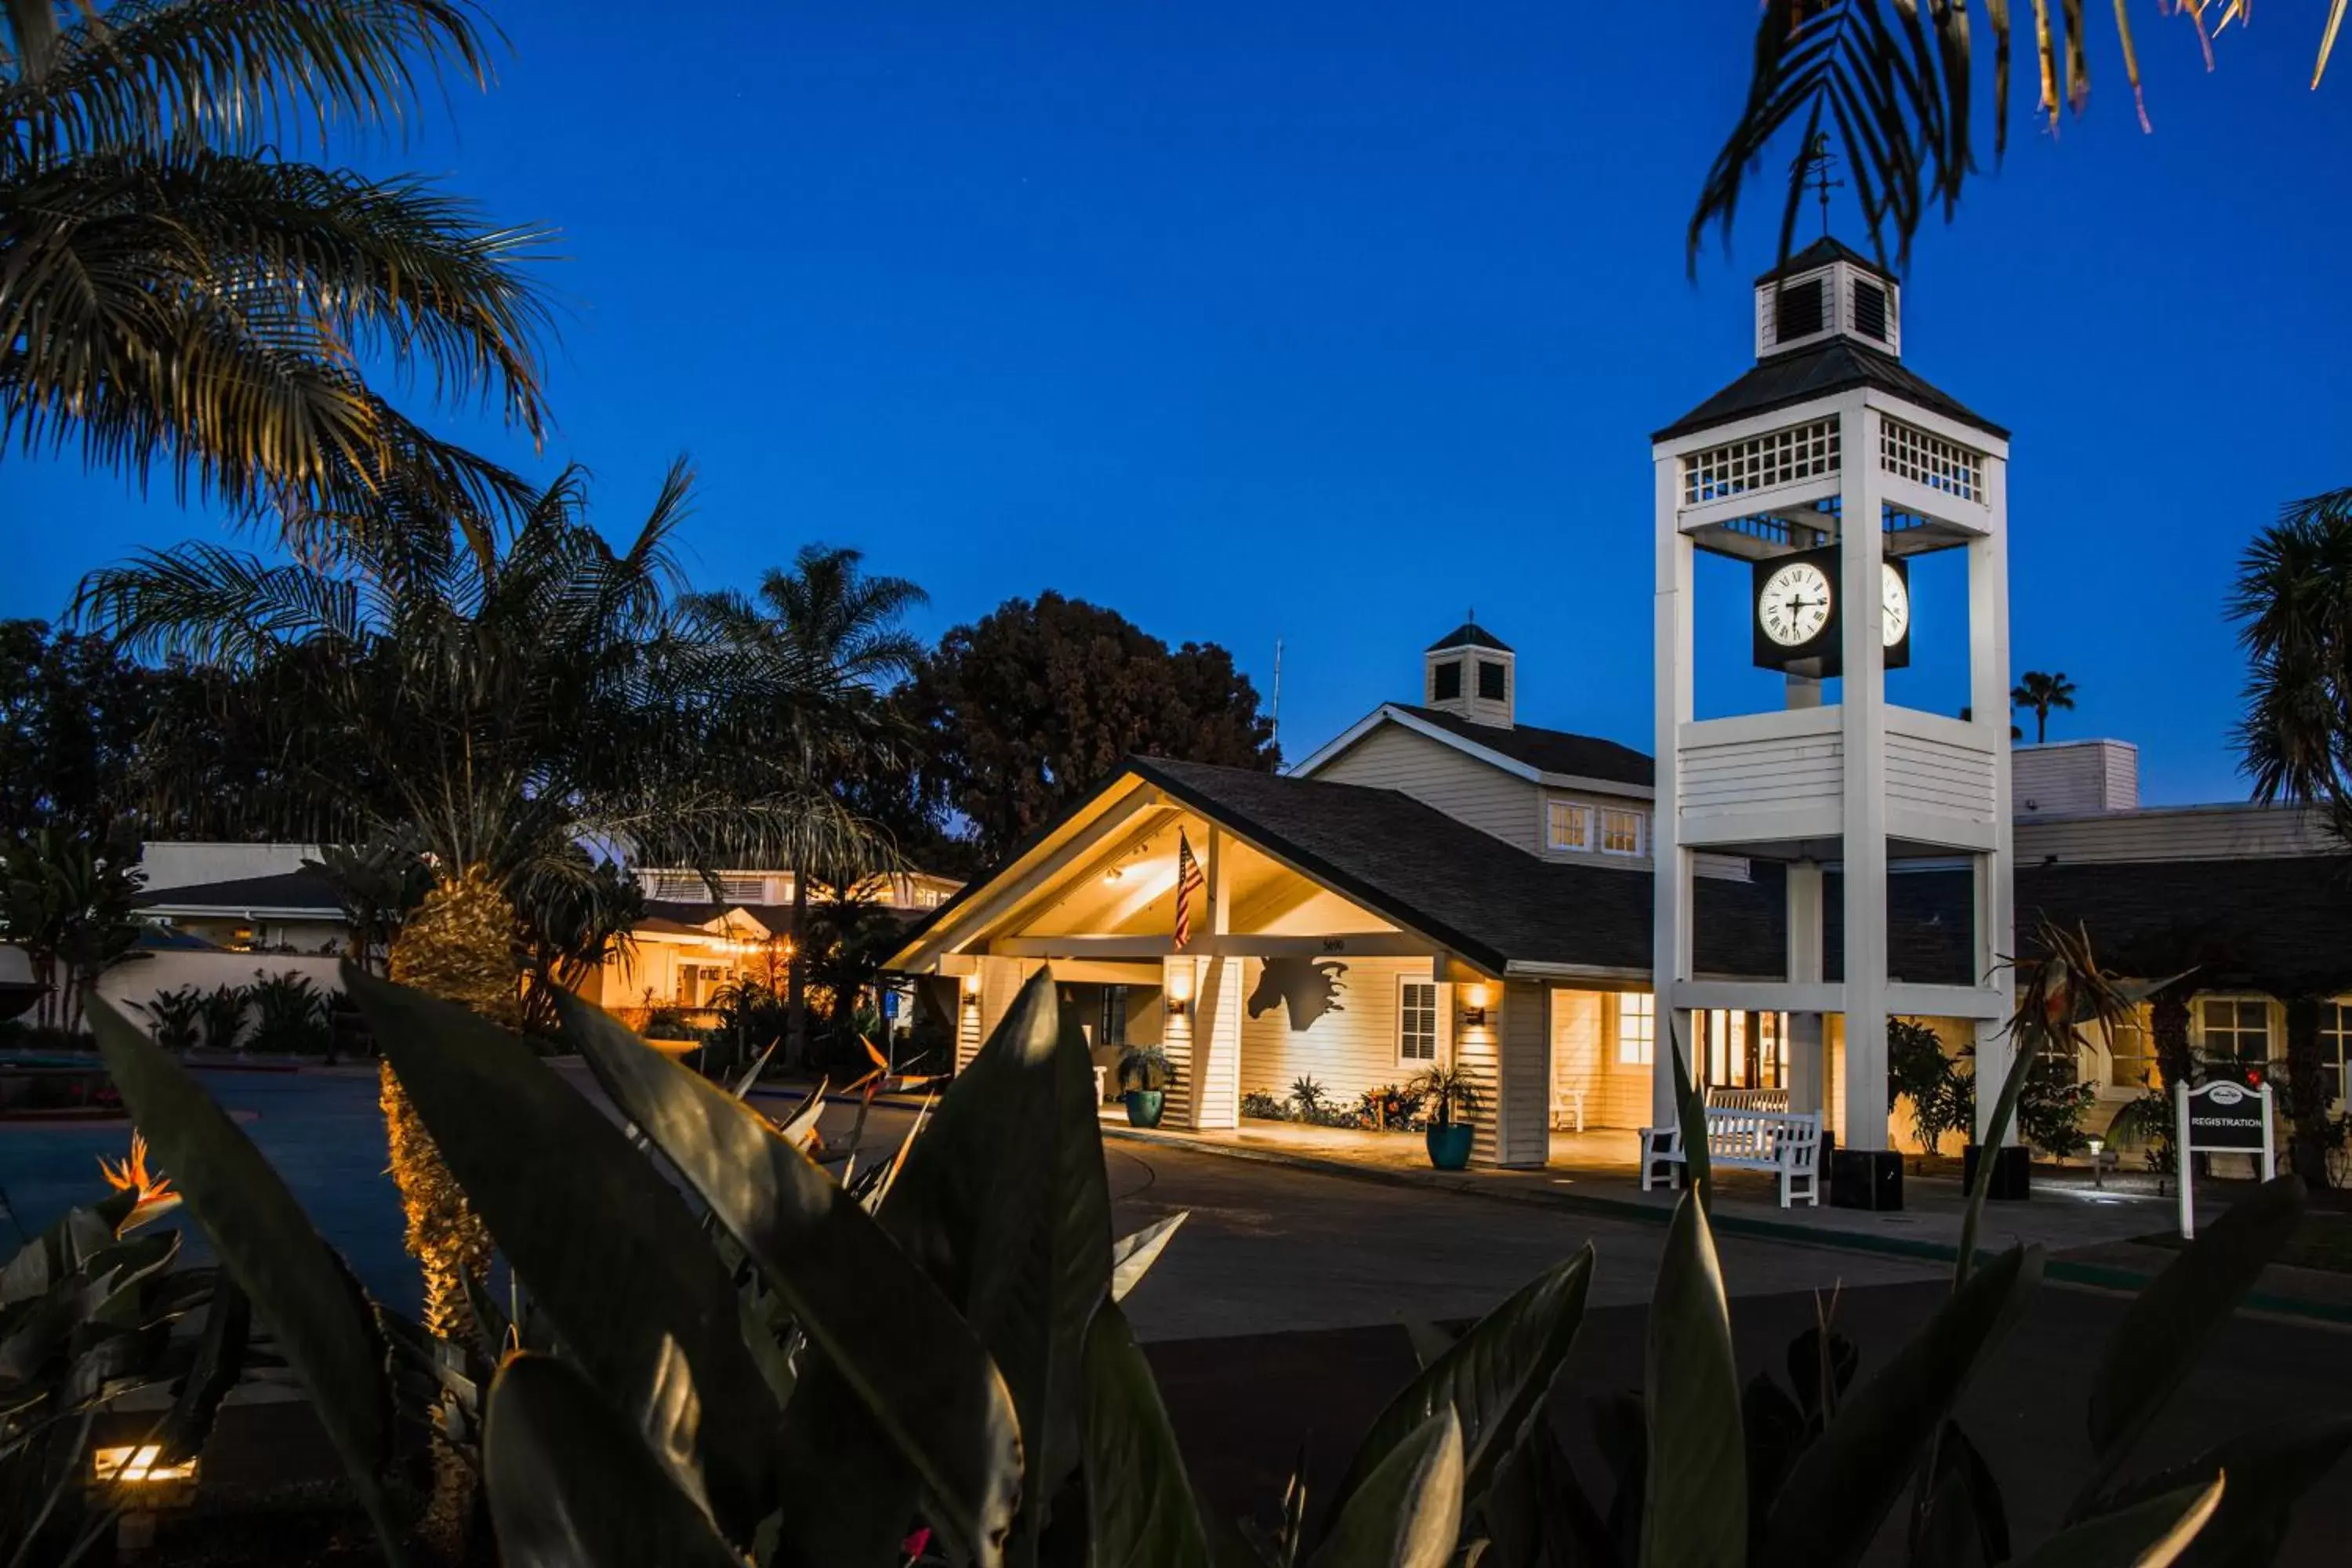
{"x": 1830, "y": 467}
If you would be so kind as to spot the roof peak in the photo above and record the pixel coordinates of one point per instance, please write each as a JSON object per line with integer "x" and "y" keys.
{"x": 1469, "y": 634}
{"x": 1820, "y": 253}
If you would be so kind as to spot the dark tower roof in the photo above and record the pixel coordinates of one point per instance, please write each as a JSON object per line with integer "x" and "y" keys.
{"x": 1820, "y": 253}
{"x": 1816, "y": 370}
{"x": 1469, "y": 634}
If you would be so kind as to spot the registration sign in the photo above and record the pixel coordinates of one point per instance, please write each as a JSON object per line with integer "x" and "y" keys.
{"x": 2222, "y": 1116}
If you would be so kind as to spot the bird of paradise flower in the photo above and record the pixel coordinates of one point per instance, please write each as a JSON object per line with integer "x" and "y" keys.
{"x": 151, "y": 1191}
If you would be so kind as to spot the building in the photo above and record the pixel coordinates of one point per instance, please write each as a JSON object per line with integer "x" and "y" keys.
{"x": 1442, "y": 883}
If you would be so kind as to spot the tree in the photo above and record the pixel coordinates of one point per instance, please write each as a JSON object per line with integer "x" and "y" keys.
{"x": 2043, "y": 693}
{"x": 1032, "y": 705}
{"x": 502, "y": 708}
{"x": 832, "y": 635}
{"x": 69, "y": 902}
{"x": 1898, "y": 83}
{"x": 176, "y": 292}
{"x": 2293, "y": 605}
{"x": 570, "y": 921}
{"x": 72, "y": 712}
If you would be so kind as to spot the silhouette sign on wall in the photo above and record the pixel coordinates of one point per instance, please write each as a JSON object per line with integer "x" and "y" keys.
{"x": 1308, "y": 987}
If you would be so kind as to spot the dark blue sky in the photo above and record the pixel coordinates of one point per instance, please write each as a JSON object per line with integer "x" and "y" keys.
{"x": 1325, "y": 321}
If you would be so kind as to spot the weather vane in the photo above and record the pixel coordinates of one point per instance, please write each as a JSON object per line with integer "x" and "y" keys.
{"x": 1813, "y": 165}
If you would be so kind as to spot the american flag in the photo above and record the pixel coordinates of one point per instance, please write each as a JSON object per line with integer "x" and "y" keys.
{"x": 1188, "y": 880}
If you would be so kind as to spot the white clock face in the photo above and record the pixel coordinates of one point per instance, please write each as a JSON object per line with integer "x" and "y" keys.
{"x": 1895, "y": 601}
{"x": 1794, "y": 605}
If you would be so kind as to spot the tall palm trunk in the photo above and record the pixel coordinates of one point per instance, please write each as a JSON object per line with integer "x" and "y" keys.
{"x": 796, "y": 1050}
{"x": 458, "y": 945}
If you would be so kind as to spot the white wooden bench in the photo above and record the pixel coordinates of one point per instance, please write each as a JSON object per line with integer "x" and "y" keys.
{"x": 1777, "y": 1140}
{"x": 1747, "y": 1099}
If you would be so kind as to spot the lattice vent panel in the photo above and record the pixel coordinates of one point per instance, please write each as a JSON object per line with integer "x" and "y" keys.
{"x": 1910, "y": 452}
{"x": 1761, "y": 462}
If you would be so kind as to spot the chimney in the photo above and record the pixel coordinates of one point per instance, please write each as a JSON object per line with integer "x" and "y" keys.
{"x": 2072, "y": 778}
{"x": 1471, "y": 673}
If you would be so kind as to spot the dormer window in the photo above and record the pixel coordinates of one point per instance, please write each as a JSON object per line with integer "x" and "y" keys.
{"x": 1446, "y": 681}
{"x": 1797, "y": 310}
{"x": 1870, "y": 309}
{"x": 1490, "y": 679}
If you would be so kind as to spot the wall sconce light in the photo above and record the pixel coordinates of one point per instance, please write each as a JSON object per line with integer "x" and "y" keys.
{"x": 1475, "y": 999}
{"x": 1180, "y": 992}
{"x": 1175, "y": 1005}
{"x": 971, "y": 989}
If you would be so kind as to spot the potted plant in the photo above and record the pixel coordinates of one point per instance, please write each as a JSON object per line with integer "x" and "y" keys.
{"x": 1448, "y": 1092}
{"x": 1144, "y": 1075}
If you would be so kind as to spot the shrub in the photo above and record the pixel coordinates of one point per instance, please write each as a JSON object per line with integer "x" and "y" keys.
{"x": 1942, "y": 1096}
{"x": 290, "y": 1015}
{"x": 1448, "y": 1091}
{"x": 175, "y": 1018}
{"x": 222, "y": 1011}
{"x": 1392, "y": 1106}
{"x": 2050, "y": 1112}
{"x": 1265, "y": 1107}
{"x": 1308, "y": 1095}
{"x": 1145, "y": 1067}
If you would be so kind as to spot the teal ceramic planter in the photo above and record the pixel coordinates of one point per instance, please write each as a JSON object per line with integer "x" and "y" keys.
{"x": 1449, "y": 1145}
{"x": 1146, "y": 1106}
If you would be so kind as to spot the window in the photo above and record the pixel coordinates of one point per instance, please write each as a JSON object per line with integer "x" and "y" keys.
{"x": 1637, "y": 1027}
{"x": 2237, "y": 1028}
{"x": 1490, "y": 681}
{"x": 1869, "y": 310}
{"x": 1566, "y": 826}
{"x": 1623, "y": 831}
{"x": 1446, "y": 681}
{"x": 2336, "y": 1047}
{"x": 1797, "y": 310}
{"x": 1113, "y": 1031}
{"x": 1417, "y": 1020}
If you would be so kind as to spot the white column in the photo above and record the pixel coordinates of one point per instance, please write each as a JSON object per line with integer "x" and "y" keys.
{"x": 1670, "y": 960}
{"x": 1996, "y": 878}
{"x": 1520, "y": 1016}
{"x": 1214, "y": 1099}
{"x": 1864, "y": 701}
{"x": 1806, "y": 1068}
{"x": 1180, "y": 997}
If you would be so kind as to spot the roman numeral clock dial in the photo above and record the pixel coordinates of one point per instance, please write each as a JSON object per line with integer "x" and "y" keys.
{"x": 1795, "y": 604}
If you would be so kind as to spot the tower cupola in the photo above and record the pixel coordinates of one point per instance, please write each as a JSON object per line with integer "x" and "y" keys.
{"x": 1472, "y": 673}
{"x": 1828, "y": 290}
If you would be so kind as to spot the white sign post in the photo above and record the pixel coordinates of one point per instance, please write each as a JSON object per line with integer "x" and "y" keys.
{"x": 2222, "y": 1116}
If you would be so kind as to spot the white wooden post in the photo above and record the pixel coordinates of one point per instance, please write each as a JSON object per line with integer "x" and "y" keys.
{"x": 1862, "y": 712}
{"x": 1807, "y": 1078}
{"x": 1671, "y": 930}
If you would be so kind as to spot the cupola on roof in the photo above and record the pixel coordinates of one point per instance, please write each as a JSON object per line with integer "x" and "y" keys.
{"x": 1469, "y": 634}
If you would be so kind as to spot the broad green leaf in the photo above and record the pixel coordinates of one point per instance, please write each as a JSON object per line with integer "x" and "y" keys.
{"x": 2270, "y": 1470}
{"x": 1131, "y": 1257}
{"x": 1407, "y": 1511}
{"x": 572, "y": 1485}
{"x": 883, "y": 1326}
{"x": 2167, "y": 1325}
{"x": 1140, "y": 1505}
{"x": 2005, "y": 1111}
{"x": 1695, "y": 1511}
{"x": 2150, "y": 1535}
{"x": 1690, "y": 1115}
{"x": 220, "y": 1360}
{"x": 611, "y": 1254}
{"x": 1005, "y": 1203}
{"x": 1491, "y": 1378}
{"x": 1839, "y": 1494}
{"x": 1430, "y": 1342}
{"x": 1962, "y": 1521}
{"x": 265, "y": 1243}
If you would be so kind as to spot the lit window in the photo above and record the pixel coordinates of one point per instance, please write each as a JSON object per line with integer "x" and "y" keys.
{"x": 2336, "y": 1047}
{"x": 1623, "y": 831}
{"x": 1637, "y": 1027}
{"x": 1417, "y": 1021}
{"x": 2236, "y": 1028}
{"x": 1567, "y": 826}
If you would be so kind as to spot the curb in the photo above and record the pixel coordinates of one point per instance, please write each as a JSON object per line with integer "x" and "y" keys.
{"x": 2093, "y": 1276}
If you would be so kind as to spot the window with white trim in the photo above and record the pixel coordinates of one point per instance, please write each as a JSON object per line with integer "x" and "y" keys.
{"x": 1624, "y": 831}
{"x": 1567, "y": 826}
{"x": 2336, "y": 1047}
{"x": 1637, "y": 1027}
{"x": 2236, "y": 1028}
{"x": 1416, "y": 1020}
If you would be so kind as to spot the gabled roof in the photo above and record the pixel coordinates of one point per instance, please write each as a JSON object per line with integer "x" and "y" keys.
{"x": 306, "y": 892}
{"x": 1493, "y": 904}
{"x": 1835, "y": 364}
{"x": 1525, "y": 750}
{"x": 1469, "y": 634}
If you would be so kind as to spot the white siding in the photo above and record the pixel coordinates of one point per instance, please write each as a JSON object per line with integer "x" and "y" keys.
{"x": 1729, "y": 771}
{"x": 1523, "y": 1103}
{"x": 2177, "y": 833}
{"x": 1463, "y": 787}
{"x": 1935, "y": 775}
{"x": 168, "y": 970}
{"x": 1348, "y": 1050}
{"x": 2069, "y": 778}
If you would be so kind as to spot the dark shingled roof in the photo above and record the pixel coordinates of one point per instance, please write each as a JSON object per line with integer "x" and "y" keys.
{"x": 2282, "y": 925}
{"x": 1486, "y": 899}
{"x": 777, "y": 918}
{"x": 284, "y": 891}
{"x": 1820, "y": 253}
{"x": 1837, "y": 364}
{"x": 1470, "y": 634}
{"x": 1550, "y": 750}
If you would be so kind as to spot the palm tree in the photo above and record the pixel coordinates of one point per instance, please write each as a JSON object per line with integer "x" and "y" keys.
{"x": 504, "y": 709}
{"x": 1897, "y": 83}
{"x": 830, "y": 631}
{"x": 2294, "y": 609}
{"x": 177, "y": 293}
{"x": 2043, "y": 693}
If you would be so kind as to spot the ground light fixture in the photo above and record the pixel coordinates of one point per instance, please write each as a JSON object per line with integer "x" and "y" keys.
{"x": 134, "y": 1476}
